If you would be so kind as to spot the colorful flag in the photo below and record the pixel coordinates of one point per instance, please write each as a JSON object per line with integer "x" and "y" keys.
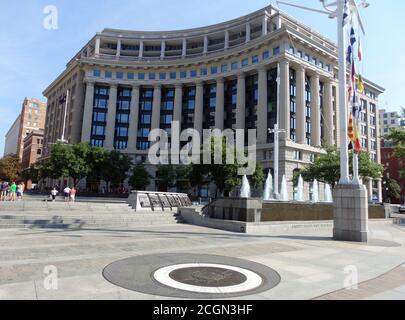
{"x": 349, "y": 54}
{"x": 360, "y": 84}
{"x": 346, "y": 14}
{"x": 352, "y": 37}
{"x": 353, "y": 72}
{"x": 360, "y": 51}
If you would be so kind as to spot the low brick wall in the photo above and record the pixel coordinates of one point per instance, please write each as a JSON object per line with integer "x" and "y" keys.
{"x": 279, "y": 211}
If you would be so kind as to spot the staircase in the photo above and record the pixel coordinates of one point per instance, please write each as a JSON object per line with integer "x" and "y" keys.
{"x": 80, "y": 215}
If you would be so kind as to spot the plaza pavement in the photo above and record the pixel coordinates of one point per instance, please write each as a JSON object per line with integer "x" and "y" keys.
{"x": 310, "y": 263}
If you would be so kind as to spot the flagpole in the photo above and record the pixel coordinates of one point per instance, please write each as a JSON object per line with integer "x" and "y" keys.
{"x": 344, "y": 140}
{"x": 64, "y": 117}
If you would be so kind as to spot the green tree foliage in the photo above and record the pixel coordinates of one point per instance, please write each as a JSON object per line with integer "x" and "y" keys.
{"x": 10, "y": 168}
{"x": 394, "y": 189}
{"x": 140, "y": 178}
{"x": 114, "y": 167}
{"x": 326, "y": 168}
{"x": 32, "y": 173}
{"x": 165, "y": 177}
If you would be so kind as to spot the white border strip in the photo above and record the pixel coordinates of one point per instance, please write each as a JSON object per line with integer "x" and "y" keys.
{"x": 253, "y": 280}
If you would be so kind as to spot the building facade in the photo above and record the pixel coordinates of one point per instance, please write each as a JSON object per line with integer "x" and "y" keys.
{"x": 393, "y": 167}
{"x": 123, "y": 84}
{"x": 33, "y": 146}
{"x": 11, "y": 142}
{"x": 390, "y": 120}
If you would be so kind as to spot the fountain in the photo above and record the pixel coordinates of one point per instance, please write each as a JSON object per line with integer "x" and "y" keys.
{"x": 268, "y": 189}
{"x": 284, "y": 193}
{"x": 315, "y": 192}
{"x": 328, "y": 194}
{"x": 300, "y": 191}
{"x": 245, "y": 189}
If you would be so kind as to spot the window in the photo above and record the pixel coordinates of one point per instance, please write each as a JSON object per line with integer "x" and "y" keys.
{"x": 173, "y": 75}
{"x": 291, "y": 50}
{"x": 193, "y": 73}
{"x": 39, "y": 151}
{"x": 146, "y": 119}
{"x": 314, "y": 60}
{"x": 152, "y": 76}
{"x": 143, "y": 132}
{"x": 224, "y": 68}
{"x": 123, "y": 118}
{"x": 162, "y": 76}
{"x": 141, "y": 76}
{"x": 146, "y": 105}
{"x": 167, "y": 105}
{"x": 276, "y": 51}
{"x": 98, "y": 130}
{"x": 234, "y": 66}
{"x": 300, "y": 54}
{"x": 121, "y": 132}
{"x": 266, "y": 55}
{"x": 99, "y": 117}
{"x": 214, "y": 69}
{"x": 108, "y": 74}
{"x": 255, "y": 59}
{"x": 130, "y": 76}
{"x": 204, "y": 71}
{"x": 183, "y": 74}
{"x": 166, "y": 119}
{"x": 97, "y": 143}
{"x": 96, "y": 73}
{"x": 123, "y": 105}
{"x": 120, "y": 75}
{"x": 245, "y": 62}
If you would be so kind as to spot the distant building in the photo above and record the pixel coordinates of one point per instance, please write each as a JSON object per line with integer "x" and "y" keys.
{"x": 33, "y": 146}
{"x": 10, "y": 147}
{"x": 31, "y": 118}
{"x": 393, "y": 167}
{"x": 390, "y": 120}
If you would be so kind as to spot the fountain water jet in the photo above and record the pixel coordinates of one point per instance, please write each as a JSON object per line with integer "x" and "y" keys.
{"x": 245, "y": 189}
{"x": 268, "y": 189}
{"x": 284, "y": 193}
{"x": 328, "y": 194}
{"x": 300, "y": 191}
{"x": 315, "y": 192}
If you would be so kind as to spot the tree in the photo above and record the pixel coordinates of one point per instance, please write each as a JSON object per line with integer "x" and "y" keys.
{"x": 258, "y": 177}
{"x": 10, "y": 167}
{"x": 326, "y": 168}
{"x": 140, "y": 178}
{"x": 114, "y": 168}
{"x": 165, "y": 177}
{"x": 394, "y": 189}
{"x": 32, "y": 173}
{"x": 397, "y": 136}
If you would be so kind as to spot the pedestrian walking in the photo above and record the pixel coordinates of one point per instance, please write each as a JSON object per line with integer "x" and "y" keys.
{"x": 19, "y": 191}
{"x": 66, "y": 193}
{"x": 73, "y": 194}
{"x": 13, "y": 191}
{"x": 54, "y": 193}
{"x": 22, "y": 189}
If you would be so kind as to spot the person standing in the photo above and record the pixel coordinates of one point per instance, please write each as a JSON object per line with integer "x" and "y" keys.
{"x": 19, "y": 191}
{"x": 66, "y": 193}
{"x": 13, "y": 191}
{"x": 22, "y": 189}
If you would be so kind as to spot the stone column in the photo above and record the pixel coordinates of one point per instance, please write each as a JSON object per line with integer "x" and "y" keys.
{"x": 220, "y": 106}
{"x": 97, "y": 47}
{"x": 178, "y": 103}
{"x": 141, "y": 49}
{"x": 78, "y": 109}
{"x": 184, "y": 48}
{"x": 111, "y": 115}
{"x": 118, "y": 48}
{"x": 328, "y": 114}
{"x": 226, "y": 39}
{"x": 133, "y": 118}
{"x": 380, "y": 191}
{"x": 315, "y": 112}
{"x": 199, "y": 105}
{"x": 284, "y": 97}
{"x": 337, "y": 116}
{"x": 264, "y": 25}
{"x": 248, "y": 32}
{"x": 88, "y": 112}
{"x": 262, "y": 106}
{"x": 301, "y": 106}
{"x": 205, "y": 44}
{"x": 241, "y": 102}
{"x": 157, "y": 101}
{"x": 163, "y": 49}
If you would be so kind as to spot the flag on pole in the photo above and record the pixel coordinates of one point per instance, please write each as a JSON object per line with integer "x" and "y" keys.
{"x": 360, "y": 84}
{"x": 353, "y": 72}
{"x": 346, "y": 14}
{"x": 349, "y": 54}
{"x": 352, "y": 37}
{"x": 360, "y": 51}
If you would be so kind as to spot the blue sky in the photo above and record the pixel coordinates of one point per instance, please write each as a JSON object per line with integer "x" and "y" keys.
{"x": 31, "y": 57}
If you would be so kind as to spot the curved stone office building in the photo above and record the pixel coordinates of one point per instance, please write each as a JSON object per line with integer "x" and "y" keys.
{"x": 125, "y": 83}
